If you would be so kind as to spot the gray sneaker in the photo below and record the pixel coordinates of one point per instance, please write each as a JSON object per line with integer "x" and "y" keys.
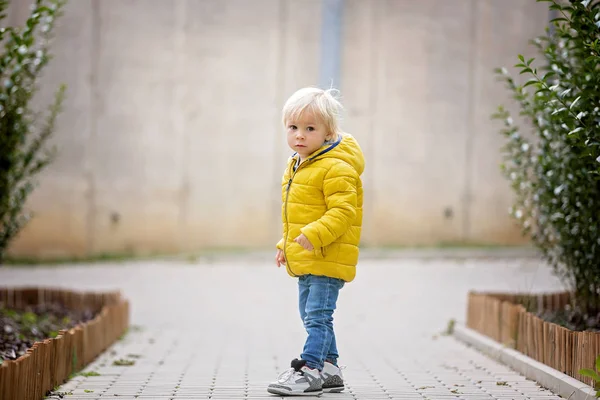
{"x": 299, "y": 380}
{"x": 333, "y": 380}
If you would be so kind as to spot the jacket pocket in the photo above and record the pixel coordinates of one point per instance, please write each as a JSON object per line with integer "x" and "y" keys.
{"x": 321, "y": 252}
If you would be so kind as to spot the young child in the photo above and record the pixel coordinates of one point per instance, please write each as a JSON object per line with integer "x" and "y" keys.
{"x": 322, "y": 216}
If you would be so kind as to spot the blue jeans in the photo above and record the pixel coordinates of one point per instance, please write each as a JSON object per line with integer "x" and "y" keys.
{"x": 317, "y": 301}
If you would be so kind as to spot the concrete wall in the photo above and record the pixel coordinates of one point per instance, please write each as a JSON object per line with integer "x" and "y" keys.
{"x": 171, "y": 137}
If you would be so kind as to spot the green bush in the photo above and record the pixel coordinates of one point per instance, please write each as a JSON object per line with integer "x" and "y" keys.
{"x": 553, "y": 162}
{"x": 23, "y": 131}
{"x": 594, "y": 375}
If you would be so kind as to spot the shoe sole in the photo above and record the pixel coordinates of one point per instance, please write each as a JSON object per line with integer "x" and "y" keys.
{"x": 282, "y": 392}
{"x": 338, "y": 389}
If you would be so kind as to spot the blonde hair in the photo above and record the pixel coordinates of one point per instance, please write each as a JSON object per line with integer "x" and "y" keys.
{"x": 321, "y": 103}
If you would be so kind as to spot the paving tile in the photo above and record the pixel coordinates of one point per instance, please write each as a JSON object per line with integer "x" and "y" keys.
{"x": 225, "y": 330}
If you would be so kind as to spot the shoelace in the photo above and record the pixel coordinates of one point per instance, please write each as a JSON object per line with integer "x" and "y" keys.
{"x": 286, "y": 375}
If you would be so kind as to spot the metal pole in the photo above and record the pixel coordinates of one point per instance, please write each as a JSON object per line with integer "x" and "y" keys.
{"x": 331, "y": 39}
{"x": 551, "y": 15}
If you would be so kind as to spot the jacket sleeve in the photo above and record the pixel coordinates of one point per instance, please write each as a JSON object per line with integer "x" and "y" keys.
{"x": 280, "y": 244}
{"x": 340, "y": 191}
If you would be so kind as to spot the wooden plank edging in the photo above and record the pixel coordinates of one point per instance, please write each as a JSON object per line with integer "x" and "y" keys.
{"x": 49, "y": 363}
{"x": 500, "y": 316}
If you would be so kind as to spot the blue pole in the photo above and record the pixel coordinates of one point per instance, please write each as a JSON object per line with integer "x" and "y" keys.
{"x": 552, "y": 14}
{"x": 331, "y": 39}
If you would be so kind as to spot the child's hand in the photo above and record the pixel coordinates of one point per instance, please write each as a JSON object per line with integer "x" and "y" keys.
{"x": 280, "y": 258}
{"x": 304, "y": 242}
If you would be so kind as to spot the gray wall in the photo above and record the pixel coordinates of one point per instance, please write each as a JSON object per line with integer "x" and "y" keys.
{"x": 171, "y": 137}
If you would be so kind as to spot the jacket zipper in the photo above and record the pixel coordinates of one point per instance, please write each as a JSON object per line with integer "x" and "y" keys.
{"x": 287, "y": 226}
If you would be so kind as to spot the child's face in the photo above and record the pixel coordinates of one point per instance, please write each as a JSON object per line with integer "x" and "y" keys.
{"x": 306, "y": 134}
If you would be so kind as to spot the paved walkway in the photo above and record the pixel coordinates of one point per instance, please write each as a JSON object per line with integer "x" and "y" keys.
{"x": 224, "y": 329}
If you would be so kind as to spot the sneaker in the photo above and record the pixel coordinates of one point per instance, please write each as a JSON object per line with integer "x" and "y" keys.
{"x": 333, "y": 380}
{"x": 299, "y": 380}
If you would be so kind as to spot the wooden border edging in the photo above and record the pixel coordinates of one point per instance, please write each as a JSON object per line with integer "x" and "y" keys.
{"x": 49, "y": 363}
{"x": 504, "y": 319}
{"x": 559, "y": 383}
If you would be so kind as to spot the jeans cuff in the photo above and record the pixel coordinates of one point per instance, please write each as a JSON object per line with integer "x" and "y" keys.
{"x": 312, "y": 365}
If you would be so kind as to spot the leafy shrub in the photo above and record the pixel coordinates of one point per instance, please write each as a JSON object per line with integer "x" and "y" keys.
{"x": 553, "y": 162}
{"x": 22, "y": 135}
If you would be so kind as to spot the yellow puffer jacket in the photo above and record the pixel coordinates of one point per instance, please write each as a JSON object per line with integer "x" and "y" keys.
{"x": 323, "y": 200}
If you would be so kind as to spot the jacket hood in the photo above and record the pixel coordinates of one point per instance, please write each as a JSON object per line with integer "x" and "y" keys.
{"x": 347, "y": 149}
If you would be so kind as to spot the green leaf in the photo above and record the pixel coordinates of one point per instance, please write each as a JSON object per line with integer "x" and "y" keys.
{"x": 579, "y": 129}
{"x": 521, "y": 58}
{"x": 590, "y": 373}
{"x": 531, "y": 82}
{"x": 530, "y": 61}
{"x": 559, "y": 19}
{"x": 574, "y": 102}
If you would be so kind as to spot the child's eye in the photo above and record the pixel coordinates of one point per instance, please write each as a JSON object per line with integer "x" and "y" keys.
{"x": 310, "y": 129}
{"x": 293, "y": 127}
